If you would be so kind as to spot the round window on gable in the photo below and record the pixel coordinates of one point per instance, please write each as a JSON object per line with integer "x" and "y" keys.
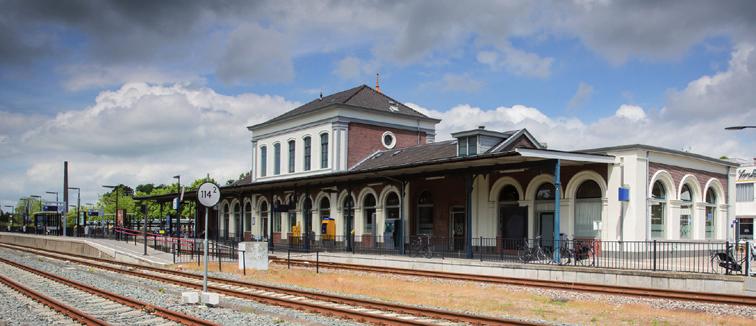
{"x": 388, "y": 139}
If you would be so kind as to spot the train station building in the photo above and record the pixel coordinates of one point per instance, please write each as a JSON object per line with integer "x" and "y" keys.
{"x": 360, "y": 168}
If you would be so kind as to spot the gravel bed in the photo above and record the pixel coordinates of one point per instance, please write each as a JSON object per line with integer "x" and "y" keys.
{"x": 232, "y": 311}
{"x": 18, "y": 309}
{"x": 563, "y": 295}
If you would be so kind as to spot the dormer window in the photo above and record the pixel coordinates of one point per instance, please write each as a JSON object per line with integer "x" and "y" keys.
{"x": 467, "y": 146}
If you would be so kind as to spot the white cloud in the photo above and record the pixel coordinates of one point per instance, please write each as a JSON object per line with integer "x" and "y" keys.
{"x": 135, "y": 134}
{"x": 582, "y": 95}
{"x": 631, "y": 112}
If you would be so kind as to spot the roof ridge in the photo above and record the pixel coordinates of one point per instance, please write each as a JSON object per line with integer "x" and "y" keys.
{"x": 361, "y": 88}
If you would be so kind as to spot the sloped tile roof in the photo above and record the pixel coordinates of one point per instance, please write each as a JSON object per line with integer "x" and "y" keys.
{"x": 360, "y": 96}
{"x": 409, "y": 155}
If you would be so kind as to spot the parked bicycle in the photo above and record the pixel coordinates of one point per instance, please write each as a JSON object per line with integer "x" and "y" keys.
{"x": 421, "y": 246}
{"x": 533, "y": 252}
{"x": 723, "y": 262}
{"x": 580, "y": 253}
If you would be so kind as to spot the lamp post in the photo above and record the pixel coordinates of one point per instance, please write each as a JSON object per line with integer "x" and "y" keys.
{"x": 78, "y": 203}
{"x": 115, "y": 216}
{"x": 178, "y": 207}
{"x": 54, "y": 193}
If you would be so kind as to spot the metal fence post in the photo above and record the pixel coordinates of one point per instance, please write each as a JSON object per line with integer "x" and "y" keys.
{"x": 288, "y": 259}
{"x": 654, "y": 255}
{"x": 748, "y": 258}
{"x": 220, "y": 263}
{"x": 480, "y": 248}
{"x": 317, "y": 262}
{"x": 173, "y": 249}
{"x": 244, "y": 262}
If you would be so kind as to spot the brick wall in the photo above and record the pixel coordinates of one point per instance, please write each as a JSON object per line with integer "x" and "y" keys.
{"x": 567, "y": 172}
{"x": 366, "y": 139}
{"x": 678, "y": 173}
{"x": 446, "y": 193}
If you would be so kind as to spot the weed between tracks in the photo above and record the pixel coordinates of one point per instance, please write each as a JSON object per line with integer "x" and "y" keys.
{"x": 482, "y": 298}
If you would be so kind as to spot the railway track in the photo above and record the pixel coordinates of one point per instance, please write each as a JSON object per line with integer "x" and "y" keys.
{"x": 92, "y": 306}
{"x": 363, "y": 310}
{"x": 74, "y": 314}
{"x": 585, "y": 287}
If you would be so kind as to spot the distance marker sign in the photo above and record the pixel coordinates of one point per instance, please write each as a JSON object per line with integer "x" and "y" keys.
{"x": 208, "y": 194}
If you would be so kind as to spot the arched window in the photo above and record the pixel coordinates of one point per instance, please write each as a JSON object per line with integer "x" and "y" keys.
{"x": 292, "y": 212}
{"x": 248, "y": 217}
{"x": 323, "y": 151}
{"x": 508, "y": 194}
{"x": 307, "y": 153}
{"x": 368, "y": 209}
{"x": 588, "y": 210}
{"x": 325, "y": 208}
{"x": 392, "y": 206}
{"x": 711, "y": 213}
{"x": 264, "y": 213}
{"x": 277, "y": 158}
{"x": 277, "y": 216}
{"x": 425, "y": 213}
{"x": 263, "y": 161}
{"x": 658, "y": 210}
{"x": 686, "y": 212}
{"x": 545, "y": 192}
{"x": 237, "y": 221}
{"x": 292, "y": 155}
{"x": 348, "y": 211}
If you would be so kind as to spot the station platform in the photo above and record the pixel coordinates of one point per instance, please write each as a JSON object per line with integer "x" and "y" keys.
{"x": 696, "y": 282}
{"x": 91, "y": 247}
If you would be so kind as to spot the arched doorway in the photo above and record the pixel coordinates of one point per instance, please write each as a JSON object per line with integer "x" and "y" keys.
{"x": 588, "y": 208}
{"x": 711, "y": 213}
{"x": 264, "y": 220}
{"x": 392, "y": 230}
{"x": 324, "y": 210}
{"x": 513, "y": 219}
{"x": 369, "y": 225}
{"x": 348, "y": 210}
{"x": 293, "y": 216}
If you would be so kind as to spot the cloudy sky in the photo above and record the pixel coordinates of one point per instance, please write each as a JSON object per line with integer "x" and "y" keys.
{"x": 138, "y": 91}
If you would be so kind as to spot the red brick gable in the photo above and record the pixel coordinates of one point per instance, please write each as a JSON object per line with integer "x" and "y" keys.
{"x": 365, "y": 139}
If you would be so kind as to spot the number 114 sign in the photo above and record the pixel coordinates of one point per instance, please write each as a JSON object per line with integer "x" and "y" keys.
{"x": 208, "y": 194}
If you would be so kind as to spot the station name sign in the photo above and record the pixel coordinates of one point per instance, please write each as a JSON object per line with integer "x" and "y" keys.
{"x": 746, "y": 175}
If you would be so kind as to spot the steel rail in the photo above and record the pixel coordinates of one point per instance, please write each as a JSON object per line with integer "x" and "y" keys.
{"x": 295, "y": 304}
{"x": 73, "y": 313}
{"x": 171, "y": 315}
{"x": 718, "y": 298}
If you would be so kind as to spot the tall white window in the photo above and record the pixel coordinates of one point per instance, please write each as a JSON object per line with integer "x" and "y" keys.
{"x": 323, "y": 151}
{"x": 588, "y": 210}
{"x": 292, "y": 155}
{"x": 711, "y": 213}
{"x": 744, "y": 192}
{"x": 307, "y": 153}
{"x": 263, "y": 161}
{"x": 686, "y": 211}
{"x": 277, "y": 159}
{"x": 658, "y": 210}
